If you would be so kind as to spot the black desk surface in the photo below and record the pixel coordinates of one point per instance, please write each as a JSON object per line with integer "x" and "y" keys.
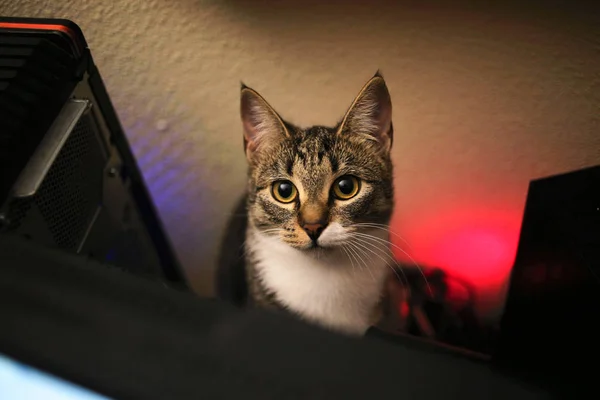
{"x": 128, "y": 337}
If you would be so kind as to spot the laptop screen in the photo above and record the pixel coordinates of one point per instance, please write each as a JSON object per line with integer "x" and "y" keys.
{"x": 22, "y": 382}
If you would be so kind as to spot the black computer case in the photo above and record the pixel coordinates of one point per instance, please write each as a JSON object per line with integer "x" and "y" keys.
{"x": 69, "y": 178}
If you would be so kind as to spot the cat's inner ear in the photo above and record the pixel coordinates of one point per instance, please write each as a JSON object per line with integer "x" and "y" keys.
{"x": 262, "y": 125}
{"x": 370, "y": 114}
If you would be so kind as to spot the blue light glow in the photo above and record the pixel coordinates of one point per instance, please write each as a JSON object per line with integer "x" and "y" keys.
{"x": 164, "y": 159}
{"x": 111, "y": 255}
{"x": 171, "y": 157}
{"x": 21, "y": 382}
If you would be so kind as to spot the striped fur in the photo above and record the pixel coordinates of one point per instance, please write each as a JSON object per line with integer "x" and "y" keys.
{"x": 338, "y": 284}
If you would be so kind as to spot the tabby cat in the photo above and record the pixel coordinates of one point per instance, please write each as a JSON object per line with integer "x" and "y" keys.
{"x": 312, "y": 228}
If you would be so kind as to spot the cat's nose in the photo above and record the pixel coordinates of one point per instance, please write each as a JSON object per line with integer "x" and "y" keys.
{"x": 314, "y": 229}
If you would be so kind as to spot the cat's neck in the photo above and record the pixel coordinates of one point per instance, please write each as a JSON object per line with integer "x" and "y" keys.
{"x": 339, "y": 290}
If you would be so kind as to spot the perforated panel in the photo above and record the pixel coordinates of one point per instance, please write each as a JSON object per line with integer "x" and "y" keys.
{"x": 70, "y": 193}
{"x": 17, "y": 210}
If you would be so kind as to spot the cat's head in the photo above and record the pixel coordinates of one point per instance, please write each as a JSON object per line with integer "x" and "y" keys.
{"x": 317, "y": 187}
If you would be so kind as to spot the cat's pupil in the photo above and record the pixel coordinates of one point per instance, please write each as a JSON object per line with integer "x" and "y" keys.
{"x": 346, "y": 186}
{"x": 285, "y": 189}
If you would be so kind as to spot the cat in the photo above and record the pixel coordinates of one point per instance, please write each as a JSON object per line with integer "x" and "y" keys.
{"x": 310, "y": 235}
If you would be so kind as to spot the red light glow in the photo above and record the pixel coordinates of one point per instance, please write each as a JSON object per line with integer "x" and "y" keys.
{"x": 477, "y": 253}
{"x": 478, "y": 246}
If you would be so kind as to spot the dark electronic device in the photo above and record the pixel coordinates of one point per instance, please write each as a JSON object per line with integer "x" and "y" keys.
{"x": 550, "y": 330}
{"x": 69, "y": 178}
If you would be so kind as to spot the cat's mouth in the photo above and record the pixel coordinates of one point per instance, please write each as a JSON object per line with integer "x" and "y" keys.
{"x": 316, "y": 250}
{"x": 311, "y": 246}
{"x": 316, "y": 247}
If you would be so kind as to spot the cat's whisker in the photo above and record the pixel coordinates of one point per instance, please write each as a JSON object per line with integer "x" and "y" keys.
{"x": 370, "y": 246}
{"x": 387, "y": 229}
{"x": 355, "y": 255}
{"x": 271, "y": 230}
{"x": 387, "y": 242}
{"x": 343, "y": 247}
{"x": 351, "y": 255}
{"x": 360, "y": 251}
{"x": 359, "y": 261}
{"x": 356, "y": 259}
{"x": 383, "y": 227}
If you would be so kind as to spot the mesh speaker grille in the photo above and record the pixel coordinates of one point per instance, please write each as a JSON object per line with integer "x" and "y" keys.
{"x": 17, "y": 210}
{"x": 69, "y": 195}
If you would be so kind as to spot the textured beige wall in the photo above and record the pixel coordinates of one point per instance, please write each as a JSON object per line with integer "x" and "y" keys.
{"x": 484, "y": 98}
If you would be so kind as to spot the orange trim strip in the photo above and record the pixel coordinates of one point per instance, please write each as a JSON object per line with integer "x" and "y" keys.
{"x": 42, "y": 27}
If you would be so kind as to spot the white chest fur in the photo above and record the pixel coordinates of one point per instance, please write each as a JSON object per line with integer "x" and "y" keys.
{"x": 337, "y": 292}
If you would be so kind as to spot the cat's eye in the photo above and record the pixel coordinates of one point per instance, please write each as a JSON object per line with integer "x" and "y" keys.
{"x": 284, "y": 191}
{"x": 346, "y": 187}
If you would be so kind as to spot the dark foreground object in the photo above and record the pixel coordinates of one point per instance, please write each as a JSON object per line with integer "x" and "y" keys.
{"x": 128, "y": 337}
{"x": 68, "y": 177}
{"x": 550, "y": 331}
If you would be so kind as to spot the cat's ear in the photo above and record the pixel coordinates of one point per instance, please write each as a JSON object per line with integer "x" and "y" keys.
{"x": 262, "y": 125}
{"x": 370, "y": 114}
